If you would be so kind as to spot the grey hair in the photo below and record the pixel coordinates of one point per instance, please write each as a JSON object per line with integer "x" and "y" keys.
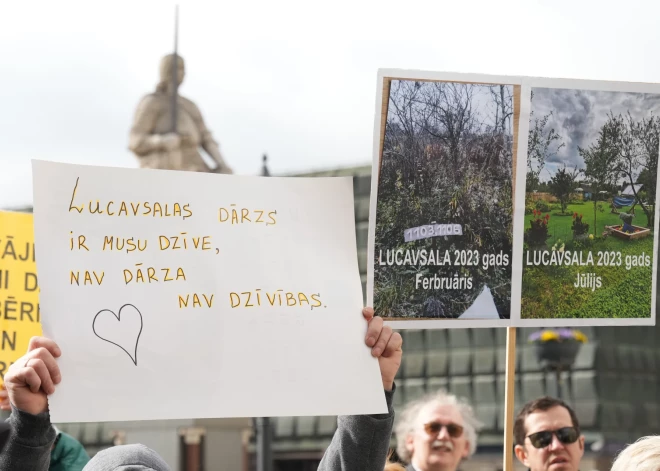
{"x": 410, "y": 415}
{"x": 643, "y": 455}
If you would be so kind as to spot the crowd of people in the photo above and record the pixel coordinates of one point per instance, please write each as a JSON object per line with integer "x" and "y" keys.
{"x": 436, "y": 432}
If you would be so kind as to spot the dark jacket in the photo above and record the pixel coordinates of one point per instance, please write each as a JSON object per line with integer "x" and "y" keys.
{"x": 68, "y": 454}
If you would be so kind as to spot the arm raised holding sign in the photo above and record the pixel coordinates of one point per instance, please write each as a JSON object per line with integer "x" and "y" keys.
{"x": 28, "y": 382}
{"x": 360, "y": 443}
{"x": 386, "y": 346}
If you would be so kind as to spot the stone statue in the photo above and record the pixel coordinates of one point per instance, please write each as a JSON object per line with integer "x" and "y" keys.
{"x": 152, "y": 138}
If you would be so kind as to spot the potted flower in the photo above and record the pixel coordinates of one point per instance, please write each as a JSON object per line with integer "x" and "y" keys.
{"x": 556, "y": 349}
{"x": 537, "y": 235}
{"x": 580, "y": 228}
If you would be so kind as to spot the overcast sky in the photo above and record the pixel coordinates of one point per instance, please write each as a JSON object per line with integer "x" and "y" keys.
{"x": 295, "y": 79}
{"x": 578, "y": 115}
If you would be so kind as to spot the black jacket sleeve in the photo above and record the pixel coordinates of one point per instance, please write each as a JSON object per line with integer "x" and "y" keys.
{"x": 30, "y": 442}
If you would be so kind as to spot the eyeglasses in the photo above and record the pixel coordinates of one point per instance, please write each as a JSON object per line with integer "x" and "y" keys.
{"x": 454, "y": 430}
{"x": 566, "y": 435}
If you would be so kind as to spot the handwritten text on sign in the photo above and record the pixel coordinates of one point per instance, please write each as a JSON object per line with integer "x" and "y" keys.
{"x": 19, "y": 292}
{"x": 139, "y": 273}
{"x": 235, "y": 284}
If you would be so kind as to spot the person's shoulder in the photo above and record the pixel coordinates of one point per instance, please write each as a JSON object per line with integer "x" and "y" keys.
{"x": 69, "y": 453}
{"x": 68, "y": 442}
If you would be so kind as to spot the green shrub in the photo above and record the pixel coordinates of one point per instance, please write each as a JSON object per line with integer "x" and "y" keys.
{"x": 542, "y": 206}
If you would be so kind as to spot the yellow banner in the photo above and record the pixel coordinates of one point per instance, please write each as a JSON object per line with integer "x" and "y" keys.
{"x": 20, "y": 318}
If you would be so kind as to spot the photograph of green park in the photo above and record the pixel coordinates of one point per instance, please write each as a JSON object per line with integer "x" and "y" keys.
{"x": 592, "y": 169}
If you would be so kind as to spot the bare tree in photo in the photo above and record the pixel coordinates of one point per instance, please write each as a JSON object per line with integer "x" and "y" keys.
{"x": 503, "y": 97}
{"x": 446, "y": 115}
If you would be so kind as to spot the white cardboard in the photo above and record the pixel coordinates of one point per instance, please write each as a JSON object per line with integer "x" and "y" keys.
{"x": 202, "y": 361}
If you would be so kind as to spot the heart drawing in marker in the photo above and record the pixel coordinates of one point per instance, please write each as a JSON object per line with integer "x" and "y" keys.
{"x": 122, "y": 329}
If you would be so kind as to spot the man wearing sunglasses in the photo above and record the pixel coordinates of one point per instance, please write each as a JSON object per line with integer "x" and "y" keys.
{"x": 547, "y": 436}
{"x": 436, "y": 433}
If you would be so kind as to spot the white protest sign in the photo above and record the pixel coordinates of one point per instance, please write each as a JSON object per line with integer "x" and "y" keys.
{"x": 188, "y": 295}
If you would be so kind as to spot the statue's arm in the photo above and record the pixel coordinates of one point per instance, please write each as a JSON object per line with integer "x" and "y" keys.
{"x": 142, "y": 141}
{"x": 207, "y": 142}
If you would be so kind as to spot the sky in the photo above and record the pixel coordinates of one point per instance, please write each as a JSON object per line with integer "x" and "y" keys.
{"x": 578, "y": 115}
{"x": 293, "y": 79}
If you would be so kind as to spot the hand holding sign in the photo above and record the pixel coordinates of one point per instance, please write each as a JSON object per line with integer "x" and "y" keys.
{"x": 386, "y": 346}
{"x": 33, "y": 376}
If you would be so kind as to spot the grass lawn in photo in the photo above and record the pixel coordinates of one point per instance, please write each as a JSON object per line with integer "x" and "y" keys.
{"x": 550, "y": 292}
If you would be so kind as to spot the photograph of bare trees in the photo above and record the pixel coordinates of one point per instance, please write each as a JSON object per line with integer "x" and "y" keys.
{"x": 592, "y": 169}
{"x": 444, "y": 218}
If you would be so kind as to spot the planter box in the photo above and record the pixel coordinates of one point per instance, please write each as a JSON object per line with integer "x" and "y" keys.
{"x": 557, "y": 355}
{"x": 643, "y": 232}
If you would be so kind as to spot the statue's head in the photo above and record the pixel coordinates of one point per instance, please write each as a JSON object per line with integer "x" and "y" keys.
{"x": 166, "y": 71}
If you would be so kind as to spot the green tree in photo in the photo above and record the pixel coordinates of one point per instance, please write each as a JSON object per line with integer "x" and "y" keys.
{"x": 648, "y": 133}
{"x": 600, "y": 161}
{"x": 633, "y": 143}
{"x": 562, "y": 185}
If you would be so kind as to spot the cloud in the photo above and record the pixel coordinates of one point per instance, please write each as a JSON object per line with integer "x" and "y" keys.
{"x": 577, "y": 116}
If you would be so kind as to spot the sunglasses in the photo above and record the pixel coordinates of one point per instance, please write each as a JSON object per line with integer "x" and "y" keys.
{"x": 566, "y": 435}
{"x": 454, "y": 430}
